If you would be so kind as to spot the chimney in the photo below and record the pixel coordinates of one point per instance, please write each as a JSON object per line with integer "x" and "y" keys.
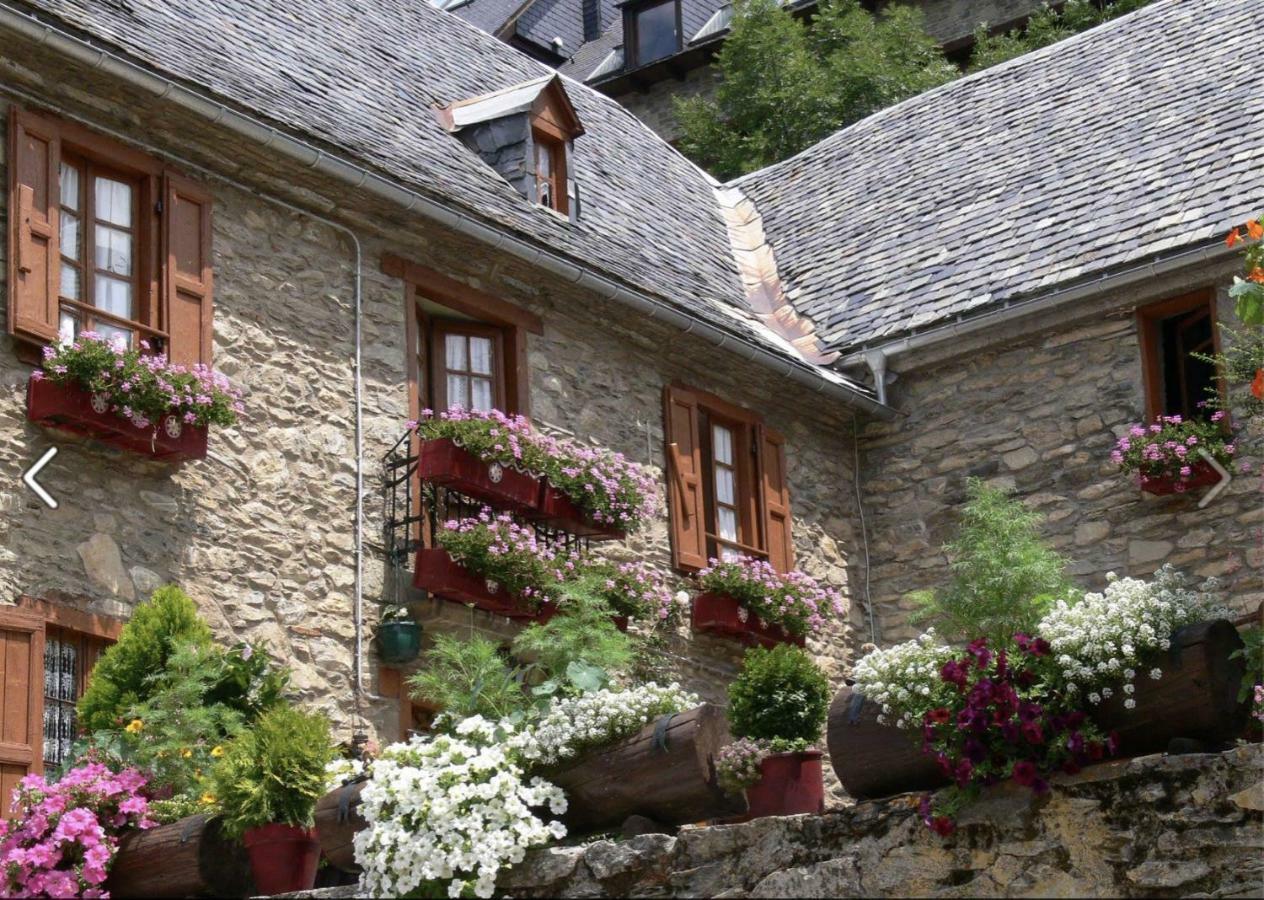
{"x": 592, "y": 19}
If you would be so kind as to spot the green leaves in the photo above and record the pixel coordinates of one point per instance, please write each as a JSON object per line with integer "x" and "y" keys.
{"x": 779, "y": 694}
{"x": 468, "y": 678}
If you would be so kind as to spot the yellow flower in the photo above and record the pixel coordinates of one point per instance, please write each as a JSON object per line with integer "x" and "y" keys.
{"x": 207, "y": 799}
{"x": 134, "y": 726}
{"x": 217, "y": 751}
{"x": 186, "y": 753}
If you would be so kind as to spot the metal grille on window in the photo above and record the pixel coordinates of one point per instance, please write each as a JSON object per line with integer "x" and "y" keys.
{"x": 61, "y": 689}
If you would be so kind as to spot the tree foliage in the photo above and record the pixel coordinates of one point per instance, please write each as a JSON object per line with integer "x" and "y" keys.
{"x": 1003, "y": 577}
{"x": 779, "y": 694}
{"x": 1044, "y": 27}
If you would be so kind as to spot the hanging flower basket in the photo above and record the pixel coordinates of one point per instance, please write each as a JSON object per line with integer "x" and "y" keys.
{"x": 556, "y": 510}
{"x": 441, "y": 461}
{"x": 71, "y": 408}
{"x": 398, "y": 641}
{"x": 1203, "y": 475}
{"x": 790, "y": 784}
{"x": 722, "y": 615}
{"x": 441, "y": 575}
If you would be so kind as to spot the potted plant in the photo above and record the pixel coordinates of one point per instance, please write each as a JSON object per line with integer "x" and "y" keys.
{"x": 777, "y": 707}
{"x": 749, "y": 600}
{"x": 398, "y": 636}
{"x": 594, "y": 493}
{"x": 267, "y": 784}
{"x": 495, "y": 563}
{"x": 1169, "y": 456}
{"x": 129, "y": 398}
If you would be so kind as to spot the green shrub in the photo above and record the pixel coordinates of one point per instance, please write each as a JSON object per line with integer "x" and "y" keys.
{"x": 779, "y": 694}
{"x": 121, "y": 677}
{"x": 274, "y": 772}
{"x": 582, "y": 632}
{"x": 468, "y": 678}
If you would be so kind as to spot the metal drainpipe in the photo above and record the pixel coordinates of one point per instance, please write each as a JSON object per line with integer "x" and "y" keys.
{"x": 357, "y": 380}
{"x": 361, "y": 178}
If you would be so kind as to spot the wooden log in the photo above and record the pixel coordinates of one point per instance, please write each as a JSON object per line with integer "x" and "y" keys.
{"x": 1196, "y": 699}
{"x": 188, "y": 858}
{"x": 665, "y": 772}
{"x": 337, "y": 821}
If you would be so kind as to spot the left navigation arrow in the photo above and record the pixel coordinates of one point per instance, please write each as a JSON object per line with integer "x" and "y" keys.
{"x": 28, "y": 477}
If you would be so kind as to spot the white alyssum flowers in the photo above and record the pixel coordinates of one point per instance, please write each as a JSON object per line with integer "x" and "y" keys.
{"x": 1100, "y": 641}
{"x": 899, "y": 678}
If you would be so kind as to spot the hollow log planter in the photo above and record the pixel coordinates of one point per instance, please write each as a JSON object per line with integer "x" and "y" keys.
{"x": 337, "y": 821}
{"x": 665, "y": 772}
{"x": 1196, "y": 698}
{"x": 188, "y": 858}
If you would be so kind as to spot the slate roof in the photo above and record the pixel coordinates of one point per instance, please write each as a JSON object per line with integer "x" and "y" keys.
{"x": 362, "y": 75}
{"x": 1099, "y": 152}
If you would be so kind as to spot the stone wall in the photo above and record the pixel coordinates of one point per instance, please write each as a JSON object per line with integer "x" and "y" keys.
{"x": 1040, "y": 415}
{"x": 1156, "y": 826}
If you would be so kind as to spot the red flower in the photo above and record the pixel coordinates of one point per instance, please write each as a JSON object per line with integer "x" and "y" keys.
{"x": 1257, "y": 386}
{"x": 942, "y": 826}
{"x": 1234, "y": 237}
{"x": 1031, "y": 731}
{"x": 1025, "y": 772}
{"x": 939, "y": 716}
{"x": 1254, "y": 229}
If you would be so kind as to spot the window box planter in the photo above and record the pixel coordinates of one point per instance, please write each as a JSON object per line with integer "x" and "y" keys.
{"x": 76, "y": 410}
{"x": 442, "y": 576}
{"x": 790, "y": 784}
{"x": 1203, "y": 476}
{"x": 556, "y": 510}
{"x": 441, "y": 461}
{"x": 398, "y": 641}
{"x": 724, "y": 616}
{"x": 283, "y": 858}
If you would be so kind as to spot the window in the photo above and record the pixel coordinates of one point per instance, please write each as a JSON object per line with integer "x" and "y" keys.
{"x": 653, "y": 32}
{"x": 467, "y": 365}
{"x": 727, "y": 489}
{"x": 1171, "y": 333}
{"x": 550, "y": 171}
{"x": 107, "y": 240}
{"x": 69, "y": 656}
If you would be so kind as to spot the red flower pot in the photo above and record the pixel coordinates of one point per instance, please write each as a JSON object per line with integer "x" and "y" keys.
{"x": 71, "y": 408}
{"x": 722, "y": 615}
{"x": 556, "y": 510}
{"x": 442, "y": 462}
{"x": 283, "y": 858}
{"x": 440, "y": 574}
{"x": 790, "y": 784}
{"x": 1203, "y": 475}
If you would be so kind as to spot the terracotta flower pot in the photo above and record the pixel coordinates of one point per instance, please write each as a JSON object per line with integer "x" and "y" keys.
{"x": 790, "y": 784}
{"x": 283, "y": 858}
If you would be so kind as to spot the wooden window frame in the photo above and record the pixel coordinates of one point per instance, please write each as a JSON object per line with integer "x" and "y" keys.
{"x": 1150, "y": 319}
{"x": 555, "y": 179}
{"x": 632, "y": 37}
{"x": 742, "y": 425}
{"x": 435, "y": 330}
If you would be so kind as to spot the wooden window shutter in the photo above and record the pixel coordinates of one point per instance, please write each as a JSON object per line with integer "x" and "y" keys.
{"x": 775, "y": 499}
{"x": 684, "y": 478}
{"x": 21, "y": 699}
{"x": 186, "y": 242}
{"x": 35, "y": 263}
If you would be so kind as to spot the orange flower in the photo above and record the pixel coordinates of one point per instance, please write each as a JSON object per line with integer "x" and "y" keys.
{"x": 1234, "y": 237}
{"x": 1254, "y": 229}
{"x": 1257, "y": 386}
{"x": 1256, "y": 275}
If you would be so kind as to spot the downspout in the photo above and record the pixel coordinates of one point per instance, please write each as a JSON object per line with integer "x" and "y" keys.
{"x": 876, "y": 360}
{"x": 361, "y": 178}
{"x": 357, "y": 379}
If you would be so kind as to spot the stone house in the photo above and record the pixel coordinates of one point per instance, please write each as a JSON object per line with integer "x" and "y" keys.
{"x": 976, "y": 281}
{"x": 645, "y": 53}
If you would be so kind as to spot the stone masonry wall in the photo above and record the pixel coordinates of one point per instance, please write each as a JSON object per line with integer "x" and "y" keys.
{"x": 1040, "y": 415}
{"x": 1156, "y": 826}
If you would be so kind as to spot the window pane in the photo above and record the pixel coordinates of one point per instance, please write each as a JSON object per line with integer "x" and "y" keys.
{"x": 722, "y": 443}
{"x": 114, "y": 295}
{"x": 730, "y": 554}
{"x": 69, "y": 186}
{"x": 114, "y": 334}
{"x": 728, "y": 524}
{"x": 114, "y": 201}
{"x": 724, "y": 486}
{"x": 454, "y": 352}
{"x": 114, "y": 250}
{"x": 655, "y": 32}
{"x": 481, "y": 355}
{"x": 69, "y": 282}
{"x": 480, "y": 393}
{"x": 69, "y": 235}
{"x": 459, "y": 391}
{"x": 67, "y": 326}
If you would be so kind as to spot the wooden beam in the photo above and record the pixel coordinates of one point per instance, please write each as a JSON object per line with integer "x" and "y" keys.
{"x": 460, "y": 296}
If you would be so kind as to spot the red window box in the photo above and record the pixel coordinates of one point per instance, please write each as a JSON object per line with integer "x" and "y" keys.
{"x": 722, "y": 615}
{"x": 1203, "y": 476}
{"x": 442, "y": 462}
{"x": 556, "y": 510}
{"x": 71, "y": 408}
{"x": 440, "y": 574}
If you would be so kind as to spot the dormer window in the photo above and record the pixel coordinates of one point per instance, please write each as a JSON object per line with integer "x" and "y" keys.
{"x": 526, "y": 133}
{"x": 651, "y": 31}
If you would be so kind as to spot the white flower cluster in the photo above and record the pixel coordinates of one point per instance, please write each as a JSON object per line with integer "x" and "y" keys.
{"x": 1099, "y": 642}
{"x": 451, "y": 810}
{"x": 901, "y": 678}
{"x": 573, "y": 724}
{"x": 342, "y": 770}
